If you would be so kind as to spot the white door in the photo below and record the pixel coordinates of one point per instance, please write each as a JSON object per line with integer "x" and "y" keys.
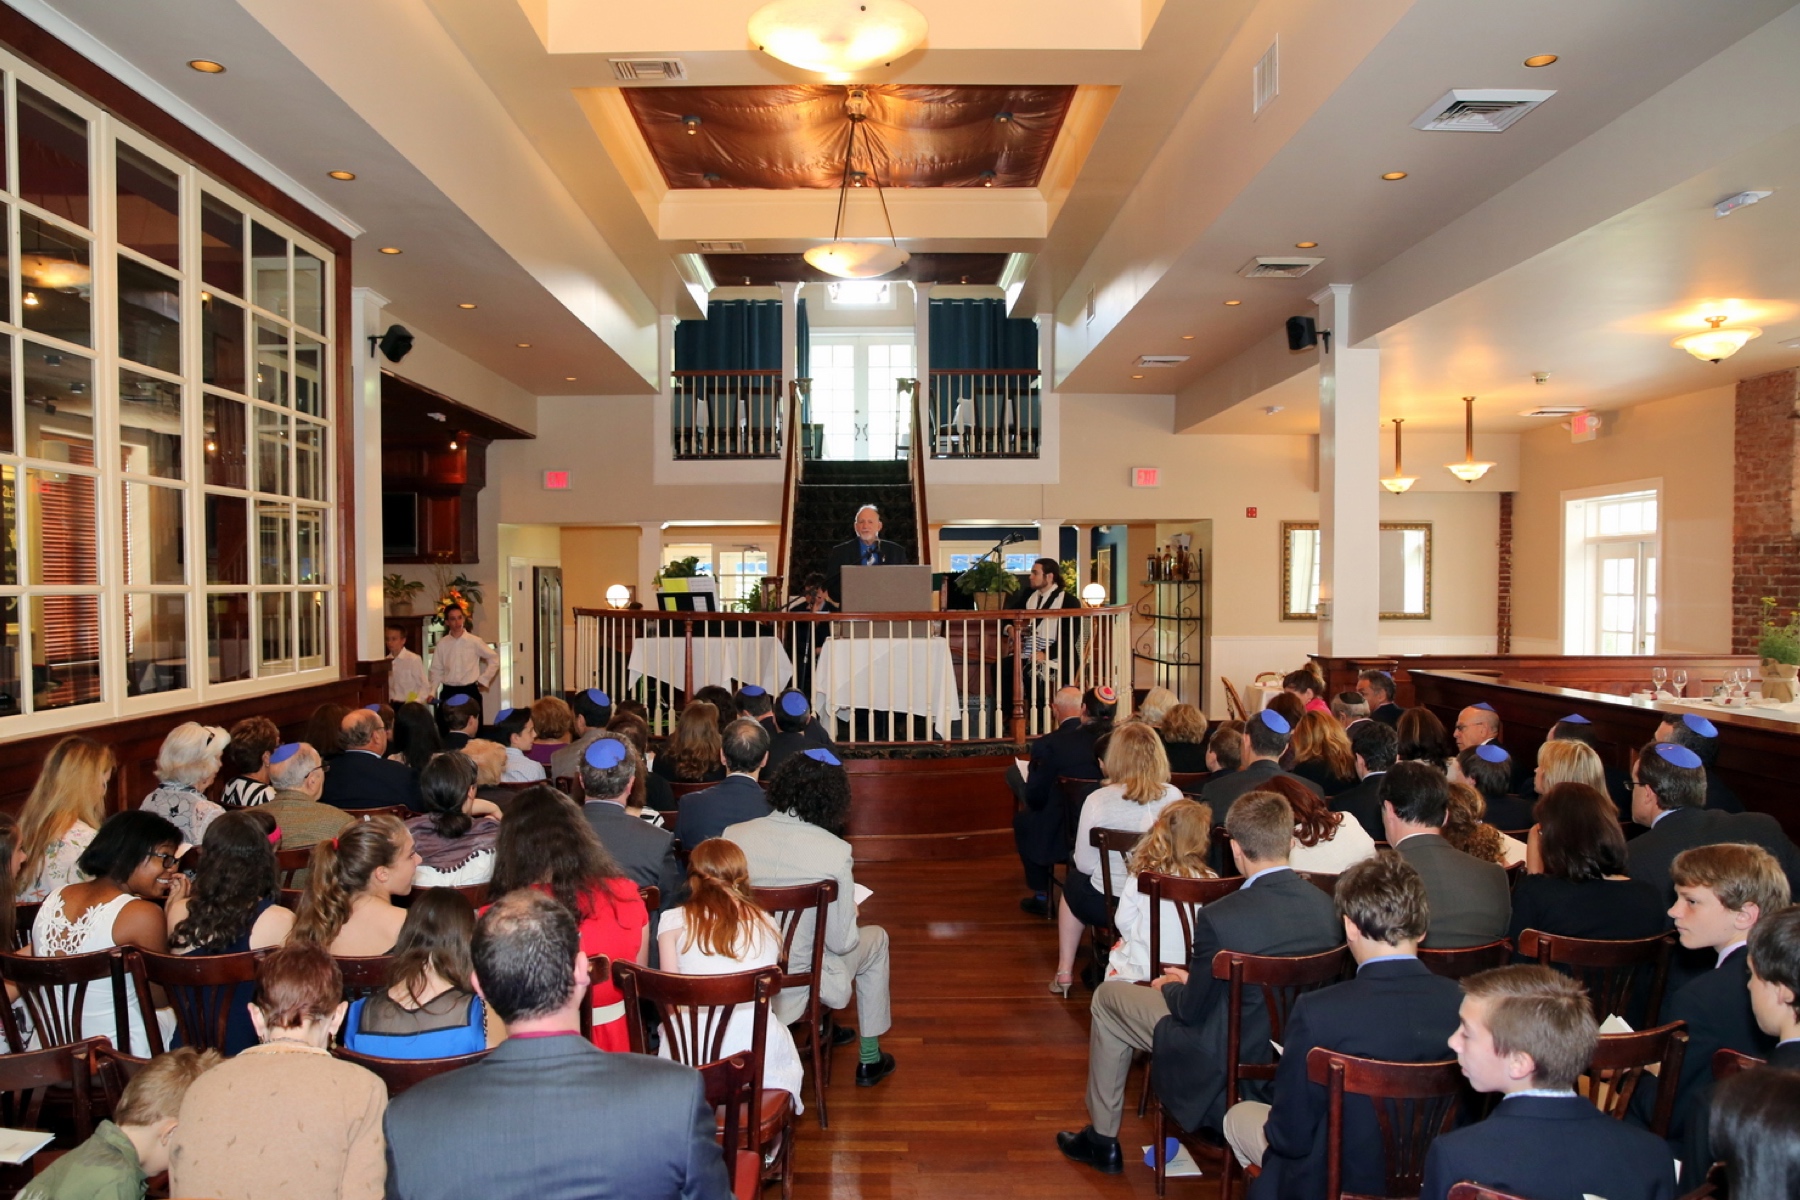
{"x": 1625, "y": 616}
{"x": 855, "y": 393}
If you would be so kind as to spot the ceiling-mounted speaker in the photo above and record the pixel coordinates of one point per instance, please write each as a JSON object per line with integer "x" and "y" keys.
{"x": 1303, "y": 333}
{"x": 397, "y": 342}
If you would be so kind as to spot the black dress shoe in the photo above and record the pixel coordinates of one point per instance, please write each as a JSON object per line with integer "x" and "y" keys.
{"x": 1088, "y": 1147}
{"x": 1035, "y": 906}
{"x": 870, "y": 1074}
{"x": 842, "y": 1035}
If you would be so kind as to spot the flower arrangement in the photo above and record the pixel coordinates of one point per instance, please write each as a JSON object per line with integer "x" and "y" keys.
{"x": 458, "y": 591}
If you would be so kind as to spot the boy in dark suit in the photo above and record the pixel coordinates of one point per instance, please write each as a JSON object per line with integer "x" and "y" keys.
{"x": 744, "y": 748}
{"x": 1528, "y": 1033}
{"x": 1775, "y": 983}
{"x": 1395, "y": 1010}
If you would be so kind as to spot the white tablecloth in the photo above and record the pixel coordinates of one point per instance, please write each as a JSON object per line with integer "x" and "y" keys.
{"x": 910, "y": 675}
{"x": 717, "y": 660}
{"x": 1257, "y": 695}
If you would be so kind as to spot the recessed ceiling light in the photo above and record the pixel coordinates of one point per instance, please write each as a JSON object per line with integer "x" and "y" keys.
{"x": 346, "y": 176}
{"x": 207, "y": 66}
{"x": 1187, "y": 337}
{"x": 1137, "y": 376}
{"x": 568, "y": 379}
{"x": 1393, "y": 175}
{"x": 1540, "y": 60}
{"x": 465, "y": 306}
{"x": 1233, "y": 303}
{"x": 523, "y": 345}
{"x": 1305, "y": 245}
{"x": 390, "y": 250}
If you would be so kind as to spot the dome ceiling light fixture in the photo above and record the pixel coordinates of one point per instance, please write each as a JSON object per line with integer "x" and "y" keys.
{"x": 1469, "y": 470}
{"x": 837, "y": 37}
{"x": 1399, "y": 481}
{"x": 1716, "y": 345}
{"x": 854, "y": 259}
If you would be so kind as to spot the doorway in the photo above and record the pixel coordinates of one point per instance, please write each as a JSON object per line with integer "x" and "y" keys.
{"x": 856, "y": 393}
{"x": 547, "y": 609}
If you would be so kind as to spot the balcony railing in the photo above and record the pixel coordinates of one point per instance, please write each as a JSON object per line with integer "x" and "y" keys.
{"x": 880, "y": 678}
{"x": 726, "y": 414}
{"x": 984, "y": 414}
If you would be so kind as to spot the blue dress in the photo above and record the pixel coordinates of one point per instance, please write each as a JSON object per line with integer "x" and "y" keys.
{"x": 239, "y": 1033}
{"x": 445, "y": 1026}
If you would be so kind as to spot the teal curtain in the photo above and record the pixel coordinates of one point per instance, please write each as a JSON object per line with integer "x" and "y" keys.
{"x": 737, "y": 335}
{"x": 969, "y": 334}
{"x": 803, "y": 358}
{"x": 1000, "y": 414}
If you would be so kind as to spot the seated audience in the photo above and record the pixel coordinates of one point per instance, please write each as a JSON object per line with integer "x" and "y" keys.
{"x": 1489, "y": 770}
{"x": 348, "y": 905}
{"x": 119, "y": 1159}
{"x": 454, "y": 837}
{"x": 1568, "y": 760}
{"x": 361, "y": 776}
{"x": 1754, "y": 1117}
{"x": 246, "y": 758}
{"x": 592, "y": 711}
{"x": 552, "y": 727}
{"x": 648, "y": 789}
{"x": 1578, "y": 885}
{"x": 797, "y": 730}
{"x": 1324, "y": 842}
{"x": 1528, "y": 1034}
{"x": 1100, "y": 708}
{"x": 1067, "y": 750}
{"x": 415, "y": 737}
{"x": 724, "y": 707}
{"x": 299, "y": 777}
{"x": 490, "y": 760}
{"x": 1394, "y": 1010}
{"x": 1322, "y": 753}
{"x": 1577, "y": 728}
{"x": 1720, "y": 894}
{"x": 324, "y": 730}
{"x": 1349, "y": 709}
{"x": 459, "y": 719}
{"x": 719, "y": 930}
{"x": 1155, "y": 706}
{"x": 1308, "y": 689}
{"x": 1178, "y": 844}
{"x": 692, "y": 755}
{"x": 231, "y": 907}
{"x": 1422, "y": 738}
{"x": 1265, "y": 740}
{"x": 1469, "y": 899}
{"x": 1775, "y": 983}
{"x": 1225, "y": 748}
{"x": 755, "y": 703}
{"x": 1377, "y": 690}
{"x": 1466, "y": 829}
{"x": 1476, "y": 725}
{"x": 1181, "y": 1016}
{"x": 62, "y": 814}
{"x": 544, "y": 1114}
{"x": 545, "y": 844}
{"x": 1137, "y": 791}
{"x": 187, "y": 764}
{"x": 1374, "y": 745}
{"x": 744, "y": 747}
{"x": 513, "y": 730}
{"x": 1288, "y": 707}
{"x": 1702, "y": 737}
{"x": 645, "y": 852}
{"x": 1183, "y": 733}
{"x": 427, "y": 1009}
{"x": 801, "y": 842}
{"x": 285, "y": 1118}
{"x": 128, "y": 867}
{"x": 1669, "y": 800}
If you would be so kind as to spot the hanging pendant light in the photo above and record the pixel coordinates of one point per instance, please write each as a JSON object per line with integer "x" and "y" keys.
{"x": 837, "y": 37}
{"x": 850, "y": 259}
{"x": 1469, "y": 470}
{"x": 1399, "y": 481}
{"x": 1716, "y": 345}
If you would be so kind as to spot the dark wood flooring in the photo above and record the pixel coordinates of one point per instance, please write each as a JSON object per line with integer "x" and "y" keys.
{"x": 991, "y": 1064}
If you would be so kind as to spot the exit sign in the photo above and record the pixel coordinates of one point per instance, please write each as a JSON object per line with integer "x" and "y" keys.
{"x": 1146, "y": 477}
{"x": 556, "y": 481}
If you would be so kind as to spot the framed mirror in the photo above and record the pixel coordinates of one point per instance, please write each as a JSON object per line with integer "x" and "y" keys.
{"x": 1404, "y": 572}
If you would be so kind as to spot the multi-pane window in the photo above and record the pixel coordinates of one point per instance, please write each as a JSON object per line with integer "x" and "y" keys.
{"x": 165, "y": 499}
{"x": 1611, "y": 607}
{"x": 856, "y": 393}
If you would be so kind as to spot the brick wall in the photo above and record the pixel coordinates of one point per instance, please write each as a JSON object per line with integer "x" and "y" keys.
{"x": 1766, "y": 502}
{"x": 1503, "y": 615}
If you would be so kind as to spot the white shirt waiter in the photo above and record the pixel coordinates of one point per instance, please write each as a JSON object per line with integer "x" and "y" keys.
{"x": 461, "y": 660}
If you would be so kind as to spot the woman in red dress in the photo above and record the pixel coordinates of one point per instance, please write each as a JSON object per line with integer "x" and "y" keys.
{"x": 546, "y": 843}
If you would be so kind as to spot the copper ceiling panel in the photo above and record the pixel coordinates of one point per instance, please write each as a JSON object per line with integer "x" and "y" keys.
{"x": 793, "y": 136}
{"x": 766, "y": 270}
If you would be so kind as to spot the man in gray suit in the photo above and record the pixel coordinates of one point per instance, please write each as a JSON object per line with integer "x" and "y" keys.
{"x": 1470, "y": 901}
{"x": 644, "y": 852}
{"x": 546, "y": 1113}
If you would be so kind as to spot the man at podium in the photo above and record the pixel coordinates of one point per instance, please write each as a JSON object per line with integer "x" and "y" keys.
{"x": 866, "y": 549}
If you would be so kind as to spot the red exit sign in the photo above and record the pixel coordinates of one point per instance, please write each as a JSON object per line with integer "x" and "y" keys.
{"x": 556, "y": 481}
{"x": 1146, "y": 477}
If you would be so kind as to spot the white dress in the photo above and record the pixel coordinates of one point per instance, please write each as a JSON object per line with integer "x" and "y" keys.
{"x": 1343, "y": 850}
{"x": 1130, "y": 957}
{"x": 53, "y": 935}
{"x": 57, "y": 867}
{"x": 781, "y": 1061}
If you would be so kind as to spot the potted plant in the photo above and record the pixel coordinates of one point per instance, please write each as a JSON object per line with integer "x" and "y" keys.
{"x": 681, "y": 568}
{"x": 989, "y": 582}
{"x": 1779, "y": 648}
{"x": 400, "y": 592}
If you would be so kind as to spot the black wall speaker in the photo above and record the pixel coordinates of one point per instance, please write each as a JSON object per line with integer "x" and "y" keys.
{"x": 1303, "y": 333}
{"x": 397, "y": 342}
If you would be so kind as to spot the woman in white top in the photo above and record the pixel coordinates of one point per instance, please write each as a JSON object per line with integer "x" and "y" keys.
{"x": 719, "y": 931}
{"x": 62, "y": 815}
{"x": 1178, "y": 844}
{"x": 1138, "y": 767}
{"x": 1325, "y": 842}
{"x": 132, "y": 862}
{"x": 187, "y": 764}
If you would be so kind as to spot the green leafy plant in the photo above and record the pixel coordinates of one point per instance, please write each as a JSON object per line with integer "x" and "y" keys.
{"x": 1779, "y": 642}
{"x": 987, "y": 576}
{"x": 399, "y": 589}
{"x": 1070, "y": 581}
{"x": 681, "y": 568}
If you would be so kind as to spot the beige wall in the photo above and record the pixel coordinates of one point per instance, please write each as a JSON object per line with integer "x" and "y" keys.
{"x": 594, "y": 558}
{"x": 1686, "y": 441}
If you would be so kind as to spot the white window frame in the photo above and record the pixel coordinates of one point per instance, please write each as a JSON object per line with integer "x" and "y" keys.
{"x": 1578, "y": 584}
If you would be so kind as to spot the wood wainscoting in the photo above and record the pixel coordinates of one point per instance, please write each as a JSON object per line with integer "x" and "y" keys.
{"x": 913, "y": 808}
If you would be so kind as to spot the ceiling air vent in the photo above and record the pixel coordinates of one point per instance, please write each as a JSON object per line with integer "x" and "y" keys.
{"x": 647, "y": 70}
{"x": 1283, "y": 266}
{"x": 1554, "y": 410}
{"x": 1161, "y": 360}
{"x": 1480, "y": 110}
{"x": 1265, "y": 78}
{"x": 720, "y": 247}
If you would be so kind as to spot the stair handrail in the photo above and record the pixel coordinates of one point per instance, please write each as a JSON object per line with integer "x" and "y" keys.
{"x": 915, "y": 466}
{"x": 790, "y": 484}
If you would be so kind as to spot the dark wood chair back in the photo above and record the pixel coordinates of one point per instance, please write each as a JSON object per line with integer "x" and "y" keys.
{"x": 364, "y": 974}
{"x": 24, "y": 917}
{"x": 599, "y": 967}
{"x": 1623, "y": 977}
{"x": 1468, "y": 960}
{"x": 651, "y": 896}
{"x": 398, "y": 1074}
{"x": 1110, "y": 842}
{"x": 290, "y": 897}
{"x": 1414, "y": 1102}
{"x": 678, "y": 790}
{"x": 54, "y": 991}
{"x": 1189, "y": 781}
{"x": 204, "y": 990}
{"x": 475, "y": 893}
{"x": 1514, "y": 873}
{"x": 1188, "y": 896}
{"x": 1726, "y": 1063}
{"x": 397, "y": 811}
{"x": 27, "y": 1077}
{"x": 1282, "y": 980}
{"x": 109, "y": 1072}
{"x": 1474, "y": 1191}
{"x": 731, "y": 1089}
{"x": 792, "y": 908}
{"x": 289, "y": 863}
{"x": 570, "y": 786}
{"x": 1319, "y": 879}
{"x": 1074, "y": 794}
{"x": 1624, "y": 1062}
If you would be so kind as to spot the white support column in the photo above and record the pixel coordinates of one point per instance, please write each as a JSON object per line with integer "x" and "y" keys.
{"x": 367, "y": 319}
{"x": 922, "y": 360}
{"x": 790, "y": 333}
{"x": 649, "y": 561}
{"x": 1050, "y": 537}
{"x": 1349, "y": 483}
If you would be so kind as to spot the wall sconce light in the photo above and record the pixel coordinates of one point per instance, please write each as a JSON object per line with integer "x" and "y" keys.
{"x": 1094, "y": 595}
{"x": 1469, "y": 470}
{"x": 618, "y": 596}
{"x": 1399, "y": 481}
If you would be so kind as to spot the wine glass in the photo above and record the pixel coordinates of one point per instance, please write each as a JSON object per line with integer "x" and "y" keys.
{"x": 1681, "y": 681}
{"x": 1658, "y": 677}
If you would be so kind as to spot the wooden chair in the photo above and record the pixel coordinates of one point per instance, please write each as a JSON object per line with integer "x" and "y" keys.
{"x": 1109, "y": 842}
{"x": 1074, "y": 793}
{"x": 364, "y": 974}
{"x": 290, "y": 897}
{"x": 678, "y": 790}
{"x": 1414, "y": 1102}
{"x": 1467, "y": 960}
{"x": 475, "y": 893}
{"x": 1234, "y": 703}
{"x": 1189, "y": 781}
{"x": 599, "y": 967}
{"x": 54, "y": 990}
{"x": 1622, "y": 1061}
{"x": 1319, "y": 879}
{"x": 1623, "y": 977}
{"x": 398, "y": 811}
{"x": 694, "y": 1013}
{"x": 730, "y": 1088}
{"x": 1188, "y": 896}
{"x": 651, "y": 896}
{"x": 26, "y": 1080}
{"x": 398, "y": 1074}
{"x": 1727, "y": 1062}
{"x": 792, "y": 908}
{"x": 289, "y": 863}
{"x": 204, "y": 990}
{"x": 570, "y": 786}
{"x": 24, "y": 917}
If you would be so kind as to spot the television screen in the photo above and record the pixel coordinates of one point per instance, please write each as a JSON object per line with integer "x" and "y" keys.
{"x": 399, "y": 524}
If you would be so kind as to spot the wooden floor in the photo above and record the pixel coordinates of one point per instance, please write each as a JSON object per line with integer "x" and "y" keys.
{"x": 991, "y": 1065}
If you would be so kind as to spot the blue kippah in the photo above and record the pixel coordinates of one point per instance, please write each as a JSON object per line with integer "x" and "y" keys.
{"x": 500, "y": 717}
{"x": 1574, "y": 719}
{"x": 459, "y": 698}
{"x": 1484, "y": 706}
{"x": 1700, "y": 725}
{"x": 605, "y": 754}
{"x": 824, "y": 756}
{"x": 283, "y": 753}
{"x": 373, "y": 707}
{"x": 1488, "y": 752}
{"x": 1678, "y": 756}
{"x": 750, "y": 689}
{"x": 793, "y": 704}
{"x": 598, "y": 697}
{"x": 1275, "y": 721}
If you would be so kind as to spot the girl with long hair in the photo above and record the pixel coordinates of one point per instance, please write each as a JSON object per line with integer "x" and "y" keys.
{"x": 416, "y": 736}
{"x": 1466, "y": 828}
{"x": 1322, "y": 752}
{"x": 325, "y": 729}
{"x": 546, "y": 843}
{"x": 1325, "y": 842}
{"x": 455, "y": 845}
{"x": 1579, "y": 882}
{"x": 721, "y": 930}
{"x": 428, "y": 1009}
{"x": 62, "y": 814}
{"x": 1178, "y": 844}
{"x": 348, "y": 905}
{"x": 692, "y": 755}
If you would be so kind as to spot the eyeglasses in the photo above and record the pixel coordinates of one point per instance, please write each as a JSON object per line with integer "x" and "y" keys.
{"x": 169, "y": 861}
